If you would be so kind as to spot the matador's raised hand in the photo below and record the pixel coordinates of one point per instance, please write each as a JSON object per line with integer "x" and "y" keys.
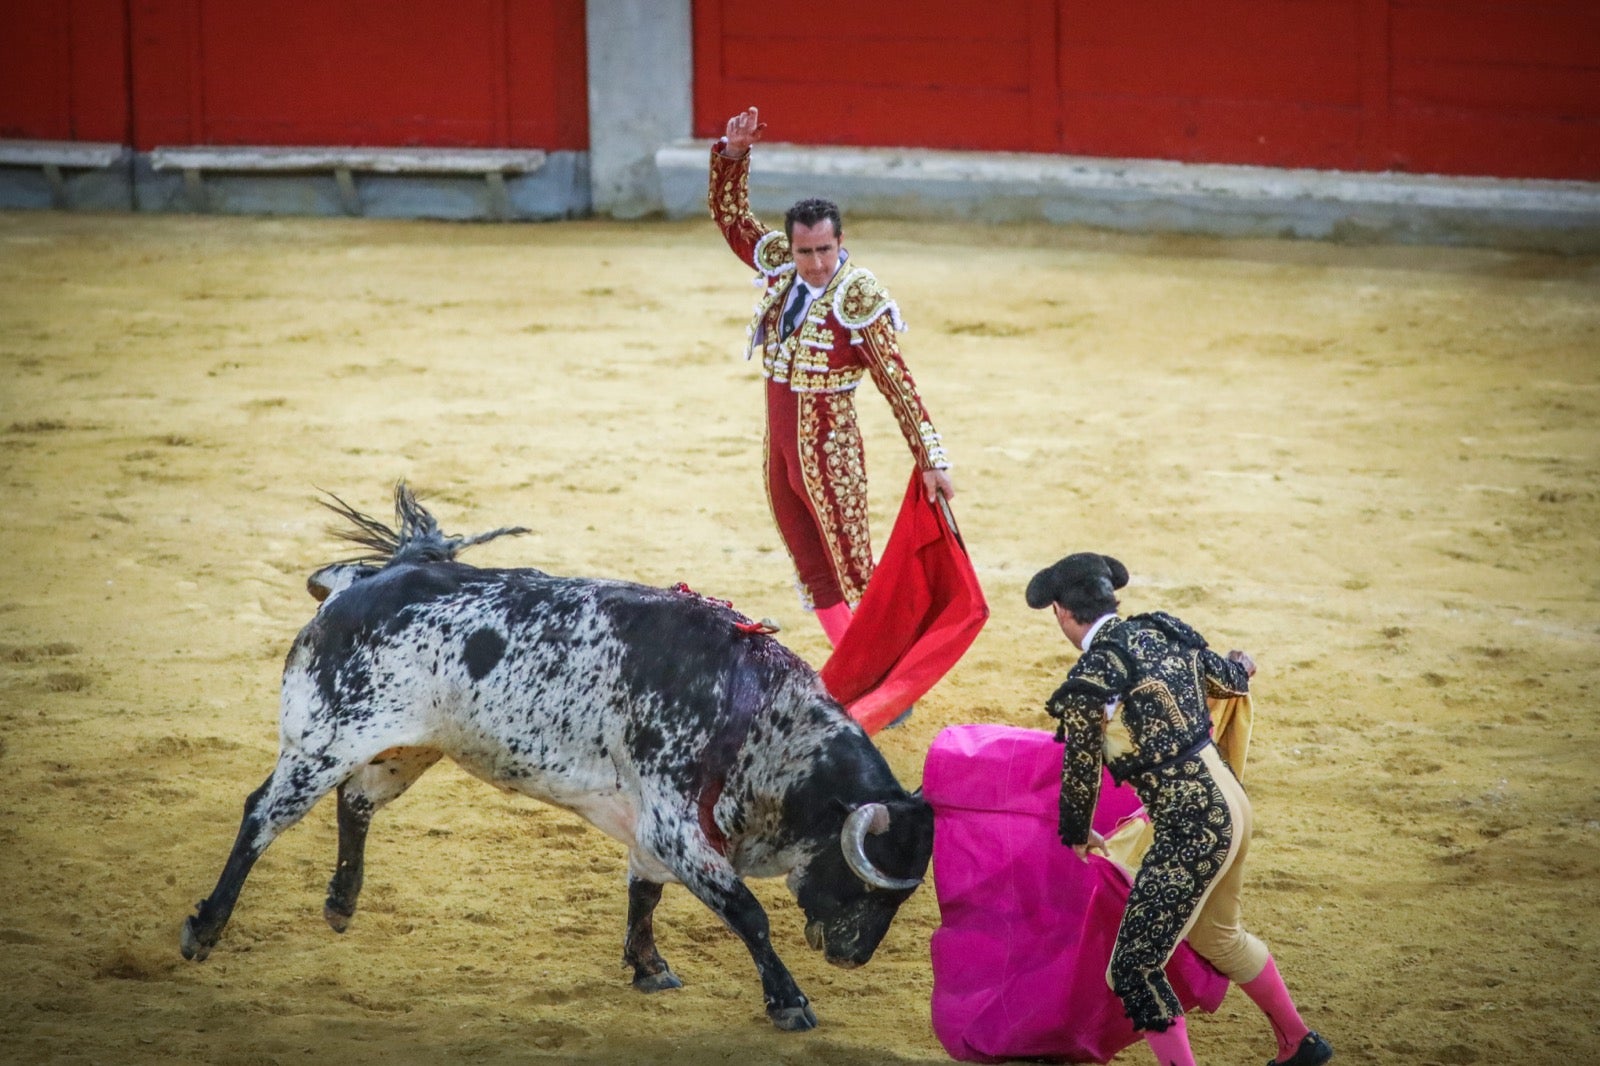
{"x": 744, "y": 129}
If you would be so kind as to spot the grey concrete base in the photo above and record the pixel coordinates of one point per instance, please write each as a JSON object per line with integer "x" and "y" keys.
{"x": 29, "y": 188}
{"x": 558, "y": 190}
{"x": 1150, "y": 195}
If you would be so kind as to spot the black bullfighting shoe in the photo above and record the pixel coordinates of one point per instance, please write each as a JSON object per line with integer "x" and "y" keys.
{"x": 1313, "y": 1051}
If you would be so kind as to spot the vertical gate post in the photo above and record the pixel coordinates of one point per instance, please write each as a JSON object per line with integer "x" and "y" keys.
{"x": 641, "y": 74}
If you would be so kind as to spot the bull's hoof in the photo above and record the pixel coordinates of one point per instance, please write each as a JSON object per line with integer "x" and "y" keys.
{"x": 657, "y": 982}
{"x": 337, "y": 919}
{"x": 793, "y": 1019}
{"x": 190, "y": 944}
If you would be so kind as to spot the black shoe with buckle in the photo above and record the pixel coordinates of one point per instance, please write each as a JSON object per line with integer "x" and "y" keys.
{"x": 1313, "y": 1051}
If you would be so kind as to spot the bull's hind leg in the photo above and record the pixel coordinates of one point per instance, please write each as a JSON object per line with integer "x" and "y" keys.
{"x": 292, "y": 789}
{"x": 650, "y": 971}
{"x": 360, "y": 796}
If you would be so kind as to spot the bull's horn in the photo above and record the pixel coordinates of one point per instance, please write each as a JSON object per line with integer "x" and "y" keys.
{"x": 869, "y": 818}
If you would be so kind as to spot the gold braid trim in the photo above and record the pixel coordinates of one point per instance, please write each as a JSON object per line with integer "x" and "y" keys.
{"x": 728, "y": 197}
{"x": 889, "y": 373}
{"x": 846, "y": 462}
{"x": 834, "y": 471}
{"x": 766, "y": 483}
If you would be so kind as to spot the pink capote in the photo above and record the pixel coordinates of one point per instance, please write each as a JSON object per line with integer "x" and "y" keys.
{"x": 1026, "y": 928}
{"x": 922, "y": 609}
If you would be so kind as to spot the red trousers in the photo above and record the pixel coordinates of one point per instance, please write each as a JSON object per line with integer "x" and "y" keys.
{"x": 791, "y": 505}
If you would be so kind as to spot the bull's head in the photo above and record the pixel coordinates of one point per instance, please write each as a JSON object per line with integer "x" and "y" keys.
{"x": 852, "y": 887}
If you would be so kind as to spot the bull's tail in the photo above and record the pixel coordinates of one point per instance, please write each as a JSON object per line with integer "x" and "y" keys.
{"x": 414, "y": 538}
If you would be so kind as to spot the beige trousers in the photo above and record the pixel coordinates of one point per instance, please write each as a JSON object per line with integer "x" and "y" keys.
{"x": 1216, "y": 931}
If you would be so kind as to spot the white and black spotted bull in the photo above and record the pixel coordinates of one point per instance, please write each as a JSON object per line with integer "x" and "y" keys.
{"x": 666, "y": 719}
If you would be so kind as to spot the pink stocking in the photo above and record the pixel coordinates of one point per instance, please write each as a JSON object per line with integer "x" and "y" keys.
{"x": 1267, "y": 991}
{"x": 1171, "y": 1048}
{"x": 835, "y": 620}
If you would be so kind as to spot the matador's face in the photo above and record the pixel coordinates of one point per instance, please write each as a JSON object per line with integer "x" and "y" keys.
{"x": 816, "y": 252}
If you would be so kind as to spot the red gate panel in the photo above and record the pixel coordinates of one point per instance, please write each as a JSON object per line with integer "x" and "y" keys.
{"x": 1498, "y": 87}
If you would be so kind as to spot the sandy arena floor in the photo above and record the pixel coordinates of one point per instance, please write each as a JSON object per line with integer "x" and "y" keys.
{"x": 1376, "y": 469}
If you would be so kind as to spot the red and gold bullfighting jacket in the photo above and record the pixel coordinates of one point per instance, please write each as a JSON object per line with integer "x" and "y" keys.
{"x": 848, "y": 332}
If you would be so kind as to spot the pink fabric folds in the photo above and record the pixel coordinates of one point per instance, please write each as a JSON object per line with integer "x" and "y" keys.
{"x": 1026, "y": 929}
{"x": 922, "y": 609}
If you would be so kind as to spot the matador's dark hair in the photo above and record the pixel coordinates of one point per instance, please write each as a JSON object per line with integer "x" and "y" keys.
{"x": 1084, "y": 584}
{"x": 809, "y": 213}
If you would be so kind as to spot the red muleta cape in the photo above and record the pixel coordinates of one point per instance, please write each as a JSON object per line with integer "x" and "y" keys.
{"x": 922, "y": 609}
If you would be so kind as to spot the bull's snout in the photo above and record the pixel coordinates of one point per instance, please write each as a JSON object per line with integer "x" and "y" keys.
{"x": 817, "y": 937}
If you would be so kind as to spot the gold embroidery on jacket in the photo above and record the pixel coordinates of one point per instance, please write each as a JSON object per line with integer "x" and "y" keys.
{"x": 862, "y": 300}
{"x": 772, "y": 254}
{"x": 889, "y": 373}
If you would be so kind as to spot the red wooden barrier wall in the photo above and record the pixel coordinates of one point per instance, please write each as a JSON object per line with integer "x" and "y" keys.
{"x": 460, "y": 74}
{"x": 1515, "y": 84}
{"x": 444, "y": 73}
{"x": 904, "y": 72}
{"x": 1500, "y": 87}
{"x": 64, "y": 70}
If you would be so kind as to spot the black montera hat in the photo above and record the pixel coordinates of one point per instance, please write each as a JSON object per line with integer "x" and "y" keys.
{"x": 1080, "y": 576}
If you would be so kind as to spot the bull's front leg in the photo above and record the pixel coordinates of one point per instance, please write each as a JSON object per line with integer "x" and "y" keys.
{"x": 678, "y": 843}
{"x": 787, "y": 1006}
{"x": 650, "y": 971}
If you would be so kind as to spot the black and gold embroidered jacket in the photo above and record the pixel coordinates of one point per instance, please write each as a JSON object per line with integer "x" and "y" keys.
{"x": 1162, "y": 672}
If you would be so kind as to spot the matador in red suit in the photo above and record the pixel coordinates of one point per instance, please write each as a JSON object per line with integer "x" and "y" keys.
{"x": 820, "y": 325}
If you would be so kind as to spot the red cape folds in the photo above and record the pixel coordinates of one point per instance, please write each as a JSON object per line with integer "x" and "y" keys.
{"x": 921, "y": 611}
